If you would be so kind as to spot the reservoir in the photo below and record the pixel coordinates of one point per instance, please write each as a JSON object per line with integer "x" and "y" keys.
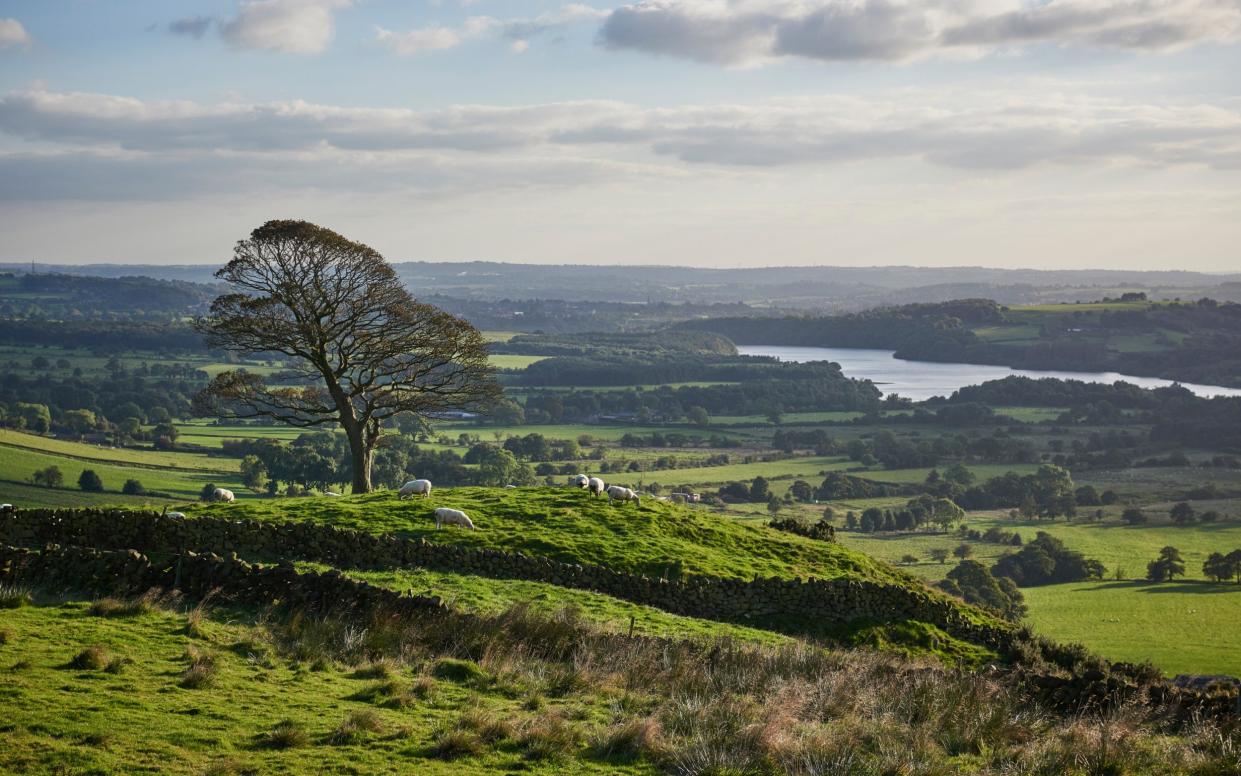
{"x": 920, "y": 380}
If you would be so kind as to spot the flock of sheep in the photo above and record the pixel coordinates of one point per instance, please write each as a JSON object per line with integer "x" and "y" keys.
{"x": 446, "y": 516}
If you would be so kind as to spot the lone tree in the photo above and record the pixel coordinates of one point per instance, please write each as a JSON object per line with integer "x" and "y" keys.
{"x": 366, "y": 349}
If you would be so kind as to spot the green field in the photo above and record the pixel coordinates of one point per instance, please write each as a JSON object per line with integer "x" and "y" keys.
{"x": 1184, "y": 627}
{"x": 181, "y": 475}
{"x": 509, "y": 361}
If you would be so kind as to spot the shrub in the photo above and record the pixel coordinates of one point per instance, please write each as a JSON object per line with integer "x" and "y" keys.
{"x": 89, "y": 481}
{"x": 287, "y": 734}
{"x": 94, "y": 658}
{"x": 133, "y": 488}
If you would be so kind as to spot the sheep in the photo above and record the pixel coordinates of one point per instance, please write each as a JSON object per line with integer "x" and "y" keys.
{"x": 7, "y": 508}
{"x": 579, "y": 481}
{"x": 330, "y": 493}
{"x": 175, "y": 515}
{"x": 617, "y": 493}
{"x": 446, "y": 516}
{"x": 510, "y": 487}
{"x": 413, "y": 487}
{"x": 595, "y": 486}
{"x": 223, "y": 494}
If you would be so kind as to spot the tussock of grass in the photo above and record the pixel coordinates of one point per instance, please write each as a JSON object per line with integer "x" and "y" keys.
{"x": 15, "y": 596}
{"x": 356, "y": 727}
{"x": 93, "y": 658}
{"x": 453, "y": 744}
{"x": 115, "y": 607}
{"x": 550, "y": 737}
{"x": 202, "y": 670}
{"x": 489, "y": 727}
{"x": 464, "y": 672}
{"x": 6, "y": 636}
{"x": 286, "y": 734}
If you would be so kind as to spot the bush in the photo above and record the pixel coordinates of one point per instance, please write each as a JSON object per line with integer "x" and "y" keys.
{"x": 133, "y": 488}
{"x": 90, "y": 482}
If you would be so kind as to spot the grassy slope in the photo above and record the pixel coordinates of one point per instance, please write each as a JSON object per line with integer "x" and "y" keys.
{"x": 61, "y": 720}
{"x": 568, "y": 525}
{"x": 491, "y": 596}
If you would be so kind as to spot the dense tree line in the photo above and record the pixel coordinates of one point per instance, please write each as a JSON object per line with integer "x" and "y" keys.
{"x": 117, "y": 403}
{"x": 1046, "y": 561}
{"x": 103, "y": 336}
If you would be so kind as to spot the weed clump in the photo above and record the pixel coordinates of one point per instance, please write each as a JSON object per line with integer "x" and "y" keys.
{"x": 202, "y": 670}
{"x": 355, "y": 727}
{"x": 287, "y": 734}
{"x": 550, "y": 737}
{"x": 464, "y": 672}
{"x": 452, "y": 744}
{"x": 115, "y": 607}
{"x": 94, "y": 658}
{"x": 15, "y": 596}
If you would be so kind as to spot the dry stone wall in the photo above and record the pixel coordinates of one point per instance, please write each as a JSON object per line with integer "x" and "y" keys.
{"x": 788, "y": 604}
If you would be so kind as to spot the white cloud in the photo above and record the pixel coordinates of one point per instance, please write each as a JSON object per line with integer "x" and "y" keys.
{"x": 745, "y": 32}
{"x": 518, "y": 32}
{"x": 290, "y": 26}
{"x": 965, "y": 130}
{"x": 434, "y": 38}
{"x": 12, "y": 34}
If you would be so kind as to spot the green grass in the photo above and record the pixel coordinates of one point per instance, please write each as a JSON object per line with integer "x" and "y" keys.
{"x": 141, "y": 719}
{"x": 570, "y": 526}
{"x": 810, "y": 468}
{"x": 209, "y": 435}
{"x": 492, "y": 596}
{"x": 17, "y": 464}
{"x": 510, "y": 361}
{"x": 1182, "y": 627}
{"x": 147, "y": 458}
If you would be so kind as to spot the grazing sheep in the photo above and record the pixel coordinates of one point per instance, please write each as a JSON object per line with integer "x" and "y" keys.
{"x": 579, "y": 481}
{"x": 175, "y": 515}
{"x": 413, "y": 487}
{"x": 330, "y": 493}
{"x": 7, "y": 508}
{"x": 510, "y": 487}
{"x": 223, "y": 494}
{"x": 446, "y": 516}
{"x": 595, "y": 486}
{"x": 617, "y": 493}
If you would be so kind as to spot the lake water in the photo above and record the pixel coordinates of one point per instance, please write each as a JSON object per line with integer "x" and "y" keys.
{"x": 919, "y": 380}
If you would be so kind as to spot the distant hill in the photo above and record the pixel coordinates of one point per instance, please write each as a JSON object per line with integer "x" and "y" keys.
{"x": 829, "y": 288}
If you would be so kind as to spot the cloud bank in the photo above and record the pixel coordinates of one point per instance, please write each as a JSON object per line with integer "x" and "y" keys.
{"x": 748, "y": 32}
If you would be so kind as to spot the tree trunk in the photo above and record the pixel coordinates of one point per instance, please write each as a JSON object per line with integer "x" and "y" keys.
{"x": 362, "y": 457}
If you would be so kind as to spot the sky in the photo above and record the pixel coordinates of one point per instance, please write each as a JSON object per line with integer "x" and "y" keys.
{"x": 1004, "y": 133}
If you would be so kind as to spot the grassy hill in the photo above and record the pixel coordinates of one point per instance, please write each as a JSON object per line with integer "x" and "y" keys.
{"x": 570, "y": 526}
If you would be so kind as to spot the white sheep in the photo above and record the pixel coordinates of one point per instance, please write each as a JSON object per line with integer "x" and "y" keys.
{"x": 414, "y": 487}
{"x": 595, "y": 486}
{"x": 446, "y": 516}
{"x": 6, "y": 508}
{"x": 223, "y": 494}
{"x": 175, "y": 515}
{"x": 618, "y": 493}
{"x": 579, "y": 481}
{"x": 330, "y": 493}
